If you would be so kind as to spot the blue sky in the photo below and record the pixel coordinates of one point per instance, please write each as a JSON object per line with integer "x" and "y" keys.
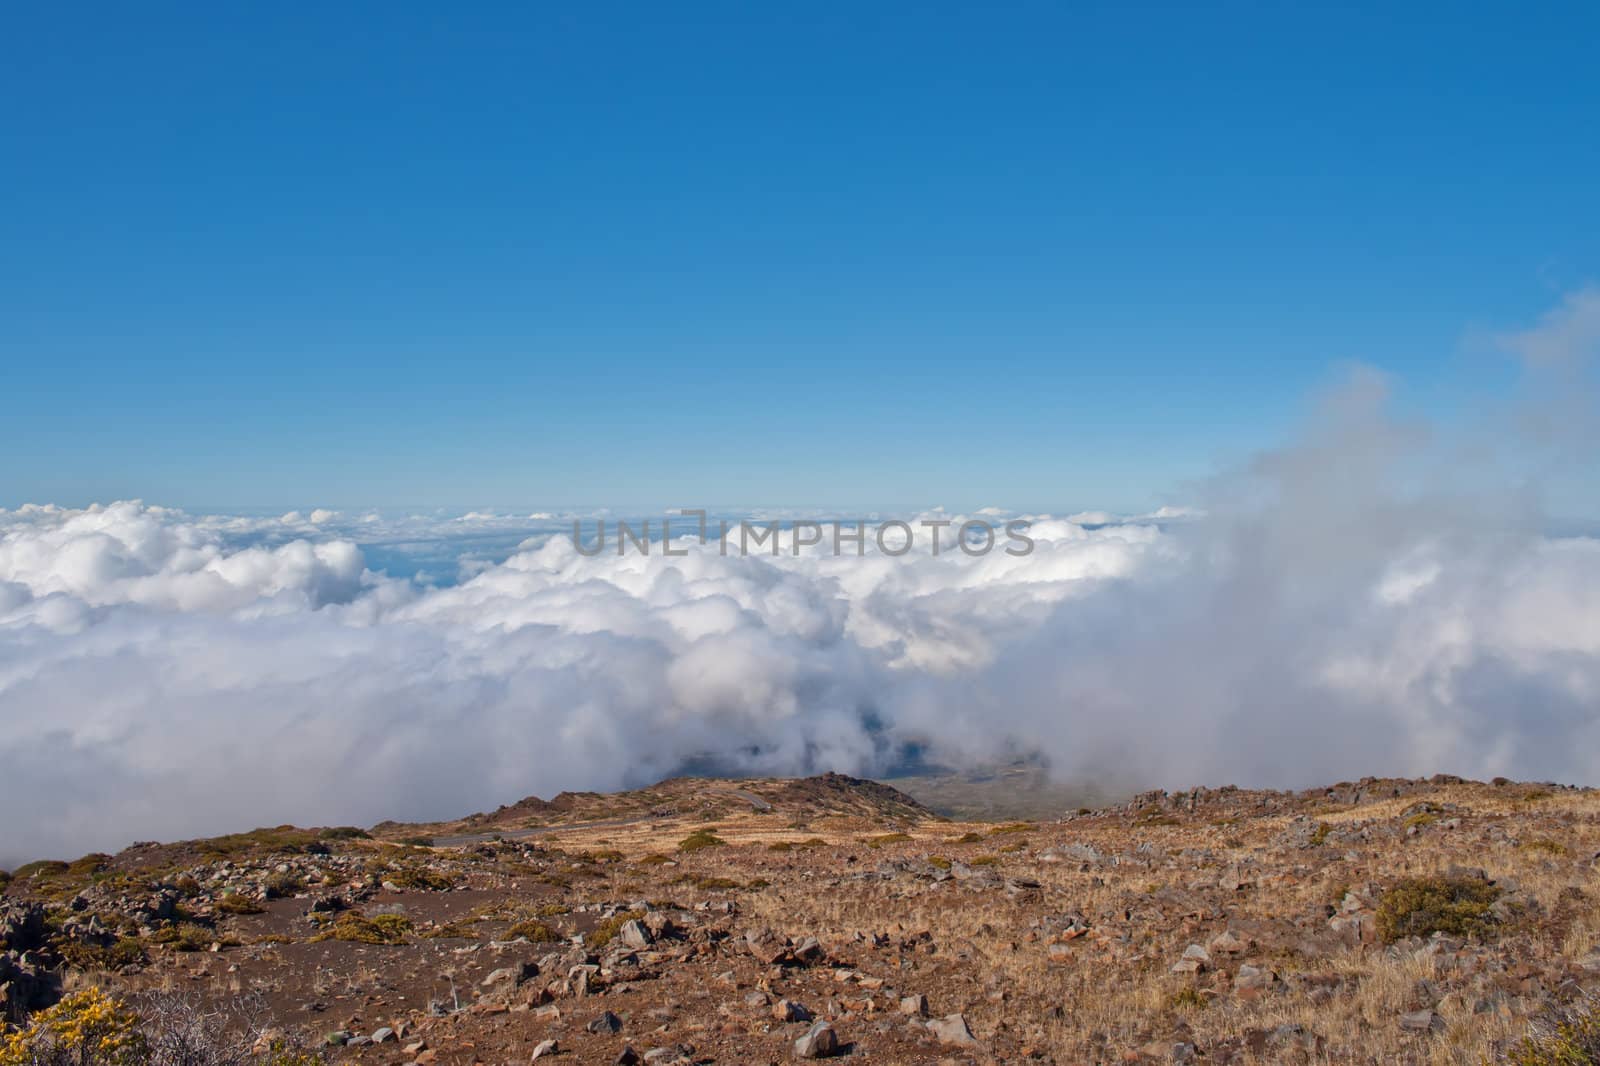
{"x": 1035, "y": 255}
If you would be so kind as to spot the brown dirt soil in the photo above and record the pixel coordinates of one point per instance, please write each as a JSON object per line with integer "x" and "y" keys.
{"x": 1219, "y": 925}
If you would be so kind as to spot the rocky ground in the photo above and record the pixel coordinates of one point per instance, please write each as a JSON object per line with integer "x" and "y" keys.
{"x": 1381, "y": 921}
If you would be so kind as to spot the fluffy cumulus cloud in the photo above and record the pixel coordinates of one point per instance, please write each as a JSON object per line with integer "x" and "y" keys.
{"x": 1339, "y": 607}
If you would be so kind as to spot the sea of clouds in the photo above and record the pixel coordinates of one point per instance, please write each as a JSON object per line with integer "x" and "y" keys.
{"x": 1365, "y": 600}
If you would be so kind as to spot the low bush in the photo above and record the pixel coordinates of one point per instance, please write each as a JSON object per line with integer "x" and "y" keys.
{"x": 356, "y": 928}
{"x": 1544, "y": 846}
{"x": 1419, "y": 906}
{"x": 452, "y": 931}
{"x": 238, "y": 903}
{"x": 87, "y": 1028}
{"x": 40, "y": 868}
{"x": 186, "y": 936}
{"x": 608, "y": 929}
{"x": 93, "y": 1028}
{"x": 127, "y": 951}
{"x": 533, "y": 931}
{"x": 1561, "y": 1036}
{"x": 700, "y": 839}
{"x": 1187, "y": 998}
{"x": 420, "y": 877}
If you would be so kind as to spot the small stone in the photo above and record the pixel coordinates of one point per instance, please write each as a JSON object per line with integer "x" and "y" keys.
{"x": 952, "y": 1029}
{"x": 1422, "y": 1021}
{"x": 546, "y": 1047}
{"x": 511, "y": 975}
{"x": 1252, "y": 981}
{"x": 635, "y": 935}
{"x": 916, "y": 1006}
{"x": 667, "y": 1055}
{"x": 820, "y": 1042}
{"x": 808, "y": 950}
{"x": 627, "y": 1057}
{"x": 787, "y": 1010}
{"x": 606, "y": 1023}
{"x": 383, "y": 1035}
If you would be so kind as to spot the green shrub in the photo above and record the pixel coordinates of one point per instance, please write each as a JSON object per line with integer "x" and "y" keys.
{"x": 420, "y": 877}
{"x": 1562, "y": 1036}
{"x": 354, "y": 927}
{"x": 39, "y": 869}
{"x": 532, "y": 930}
{"x": 186, "y": 936}
{"x": 709, "y": 884}
{"x": 606, "y": 930}
{"x": 88, "y": 1028}
{"x": 1544, "y": 846}
{"x": 90, "y": 864}
{"x": 238, "y": 903}
{"x": 127, "y": 951}
{"x": 700, "y": 838}
{"x": 344, "y": 832}
{"x": 1418, "y": 906}
{"x": 452, "y": 930}
{"x": 887, "y": 838}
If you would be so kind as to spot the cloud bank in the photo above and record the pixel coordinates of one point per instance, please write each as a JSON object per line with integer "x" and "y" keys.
{"x": 1356, "y": 602}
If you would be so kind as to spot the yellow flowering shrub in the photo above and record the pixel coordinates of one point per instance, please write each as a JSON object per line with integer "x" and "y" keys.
{"x": 84, "y": 1027}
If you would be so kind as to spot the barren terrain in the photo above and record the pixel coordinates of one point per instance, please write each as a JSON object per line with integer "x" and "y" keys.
{"x": 1382, "y": 921}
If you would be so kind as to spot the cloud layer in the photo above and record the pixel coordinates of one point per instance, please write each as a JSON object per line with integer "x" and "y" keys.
{"x": 1339, "y": 607}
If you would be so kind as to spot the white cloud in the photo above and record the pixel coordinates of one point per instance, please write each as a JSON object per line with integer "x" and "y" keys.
{"x": 1567, "y": 334}
{"x": 156, "y": 684}
{"x": 1312, "y": 617}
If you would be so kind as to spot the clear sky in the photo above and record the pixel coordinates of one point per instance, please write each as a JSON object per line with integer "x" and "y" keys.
{"x": 1044, "y": 255}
